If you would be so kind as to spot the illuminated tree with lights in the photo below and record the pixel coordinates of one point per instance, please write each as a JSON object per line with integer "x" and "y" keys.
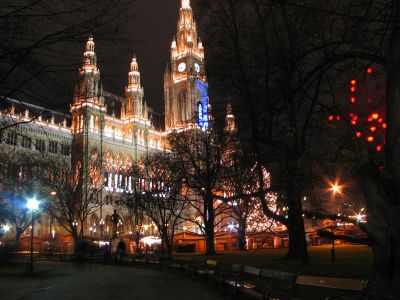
{"x": 247, "y": 57}
{"x": 364, "y": 111}
{"x": 158, "y": 193}
{"x": 199, "y": 155}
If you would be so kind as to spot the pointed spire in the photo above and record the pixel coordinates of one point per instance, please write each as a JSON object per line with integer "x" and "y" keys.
{"x": 230, "y": 124}
{"x": 186, "y": 4}
{"x": 133, "y": 91}
{"x": 134, "y": 64}
{"x": 89, "y": 56}
{"x": 173, "y": 44}
{"x": 134, "y": 75}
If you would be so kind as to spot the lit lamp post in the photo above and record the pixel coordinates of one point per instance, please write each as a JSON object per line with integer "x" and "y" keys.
{"x": 32, "y": 205}
{"x": 4, "y": 230}
{"x": 101, "y": 228}
{"x": 336, "y": 189}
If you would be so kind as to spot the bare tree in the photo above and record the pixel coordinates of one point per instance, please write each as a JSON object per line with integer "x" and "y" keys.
{"x": 73, "y": 202}
{"x": 18, "y": 184}
{"x": 38, "y": 41}
{"x": 132, "y": 205}
{"x": 199, "y": 154}
{"x": 159, "y": 193}
{"x": 285, "y": 39}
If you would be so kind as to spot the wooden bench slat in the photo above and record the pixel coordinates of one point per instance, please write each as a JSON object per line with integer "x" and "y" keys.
{"x": 251, "y": 270}
{"x": 277, "y": 274}
{"x": 332, "y": 282}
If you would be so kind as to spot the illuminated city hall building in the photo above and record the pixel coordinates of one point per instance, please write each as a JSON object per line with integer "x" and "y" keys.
{"x": 119, "y": 130}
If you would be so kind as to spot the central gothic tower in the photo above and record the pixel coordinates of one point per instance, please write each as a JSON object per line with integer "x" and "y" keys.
{"x": 184, "y": 73}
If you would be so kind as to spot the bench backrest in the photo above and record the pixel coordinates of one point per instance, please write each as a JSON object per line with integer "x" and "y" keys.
{"x": 269, "y": 273}
{"x": 235, "y": 268}
{"x": 251, "y": 270}
{"x": 211, "y": 262}
{"x": 332, "y": 282}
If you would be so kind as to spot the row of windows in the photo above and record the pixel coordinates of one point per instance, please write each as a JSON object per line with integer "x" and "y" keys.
{"x": 125, "y": 183}
{"x": 11, "y": 138}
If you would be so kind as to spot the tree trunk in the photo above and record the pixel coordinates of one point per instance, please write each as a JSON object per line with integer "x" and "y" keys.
{"x": 209, "y": 219}
{"x": 17, "y": 239}
{"x": 137, "y": 242}
{"x": 297, "y": 240}
{"x": 165, "y": 242}
{"x": 295, "y": 221}
{"x": 241, "y": 236}
{"x": 383, "y": 224}
{"x": 210, "y": 243}
{"x": 168, "y": 247}
{"x": 209, "y": 230}
{"x": 295, "y": 227}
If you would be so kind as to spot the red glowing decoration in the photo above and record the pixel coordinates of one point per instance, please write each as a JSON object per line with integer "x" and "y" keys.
{"x": 338, "y": 118}
{"x": 359, "y": 134}
{"x": 379, "y": 148}
{"x": 373, "y": 128}
{"x": 375, "y": 116}
{"x": 353, "y": 82}
{"x": 384, "y": 125}
{"x": 331, "y": 118}
{"x": 353, "y": 89}
{"x": 369, "y": 71}
{"x": 353, "y": 100}
{"x": 380, "y": 120}
{"x": 370, "y": 139}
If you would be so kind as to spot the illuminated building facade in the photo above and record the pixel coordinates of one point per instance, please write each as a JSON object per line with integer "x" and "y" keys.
{"x": 114, "y": 130}
{"x": 185, "y": 88}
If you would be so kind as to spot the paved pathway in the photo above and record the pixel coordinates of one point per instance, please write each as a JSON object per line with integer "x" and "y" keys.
{"x": 59, "y": 281}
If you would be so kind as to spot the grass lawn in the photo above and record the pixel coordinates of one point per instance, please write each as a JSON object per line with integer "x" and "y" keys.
{"x": 351, "y": 261}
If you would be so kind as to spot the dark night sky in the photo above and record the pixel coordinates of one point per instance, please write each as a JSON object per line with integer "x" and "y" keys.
{"x": 149, "y": 33}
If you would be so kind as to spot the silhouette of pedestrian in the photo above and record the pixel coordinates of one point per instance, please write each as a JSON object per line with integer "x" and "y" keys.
{"x": 120, "y": 251}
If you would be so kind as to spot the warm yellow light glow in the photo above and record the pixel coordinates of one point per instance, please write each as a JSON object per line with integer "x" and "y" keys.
{"x": 336, "y": 188}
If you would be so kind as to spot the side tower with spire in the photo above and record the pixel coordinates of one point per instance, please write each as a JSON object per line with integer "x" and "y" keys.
{"x": 186, "y": 66}
{"x": 134, "y": 92}
{"x": 88, "y": 111}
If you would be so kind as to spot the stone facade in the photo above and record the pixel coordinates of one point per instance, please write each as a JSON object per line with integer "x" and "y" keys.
{"x": 115, "y": 130}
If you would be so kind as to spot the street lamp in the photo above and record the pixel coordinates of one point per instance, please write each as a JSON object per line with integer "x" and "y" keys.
{"x": 32, "y": 205}
{"x": 5, "y": 228}
{"x": 337, "y": 190}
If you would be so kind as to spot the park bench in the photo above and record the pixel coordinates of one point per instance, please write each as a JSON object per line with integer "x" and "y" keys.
{"x": 266, "y": 283}
{"x": 192, "y": 265}
{"x": 208, "y": 269}
{"x": 226, "y": 276}
{"x": 147, "y": 259}
{"x": 316, "y": 287}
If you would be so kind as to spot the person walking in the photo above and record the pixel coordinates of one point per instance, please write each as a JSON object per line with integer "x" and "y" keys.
{"x": 121, "y": 248}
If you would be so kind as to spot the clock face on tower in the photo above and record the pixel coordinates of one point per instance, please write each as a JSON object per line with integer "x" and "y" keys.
{"x": 181, "y": 67}
{"x": 197, "y": 67}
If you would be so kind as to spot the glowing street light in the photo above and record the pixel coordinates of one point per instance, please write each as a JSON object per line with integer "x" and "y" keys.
{"x": 5, "y": 228}
{"x": 336, "y": 188}
{"x": 33, "y": 205}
